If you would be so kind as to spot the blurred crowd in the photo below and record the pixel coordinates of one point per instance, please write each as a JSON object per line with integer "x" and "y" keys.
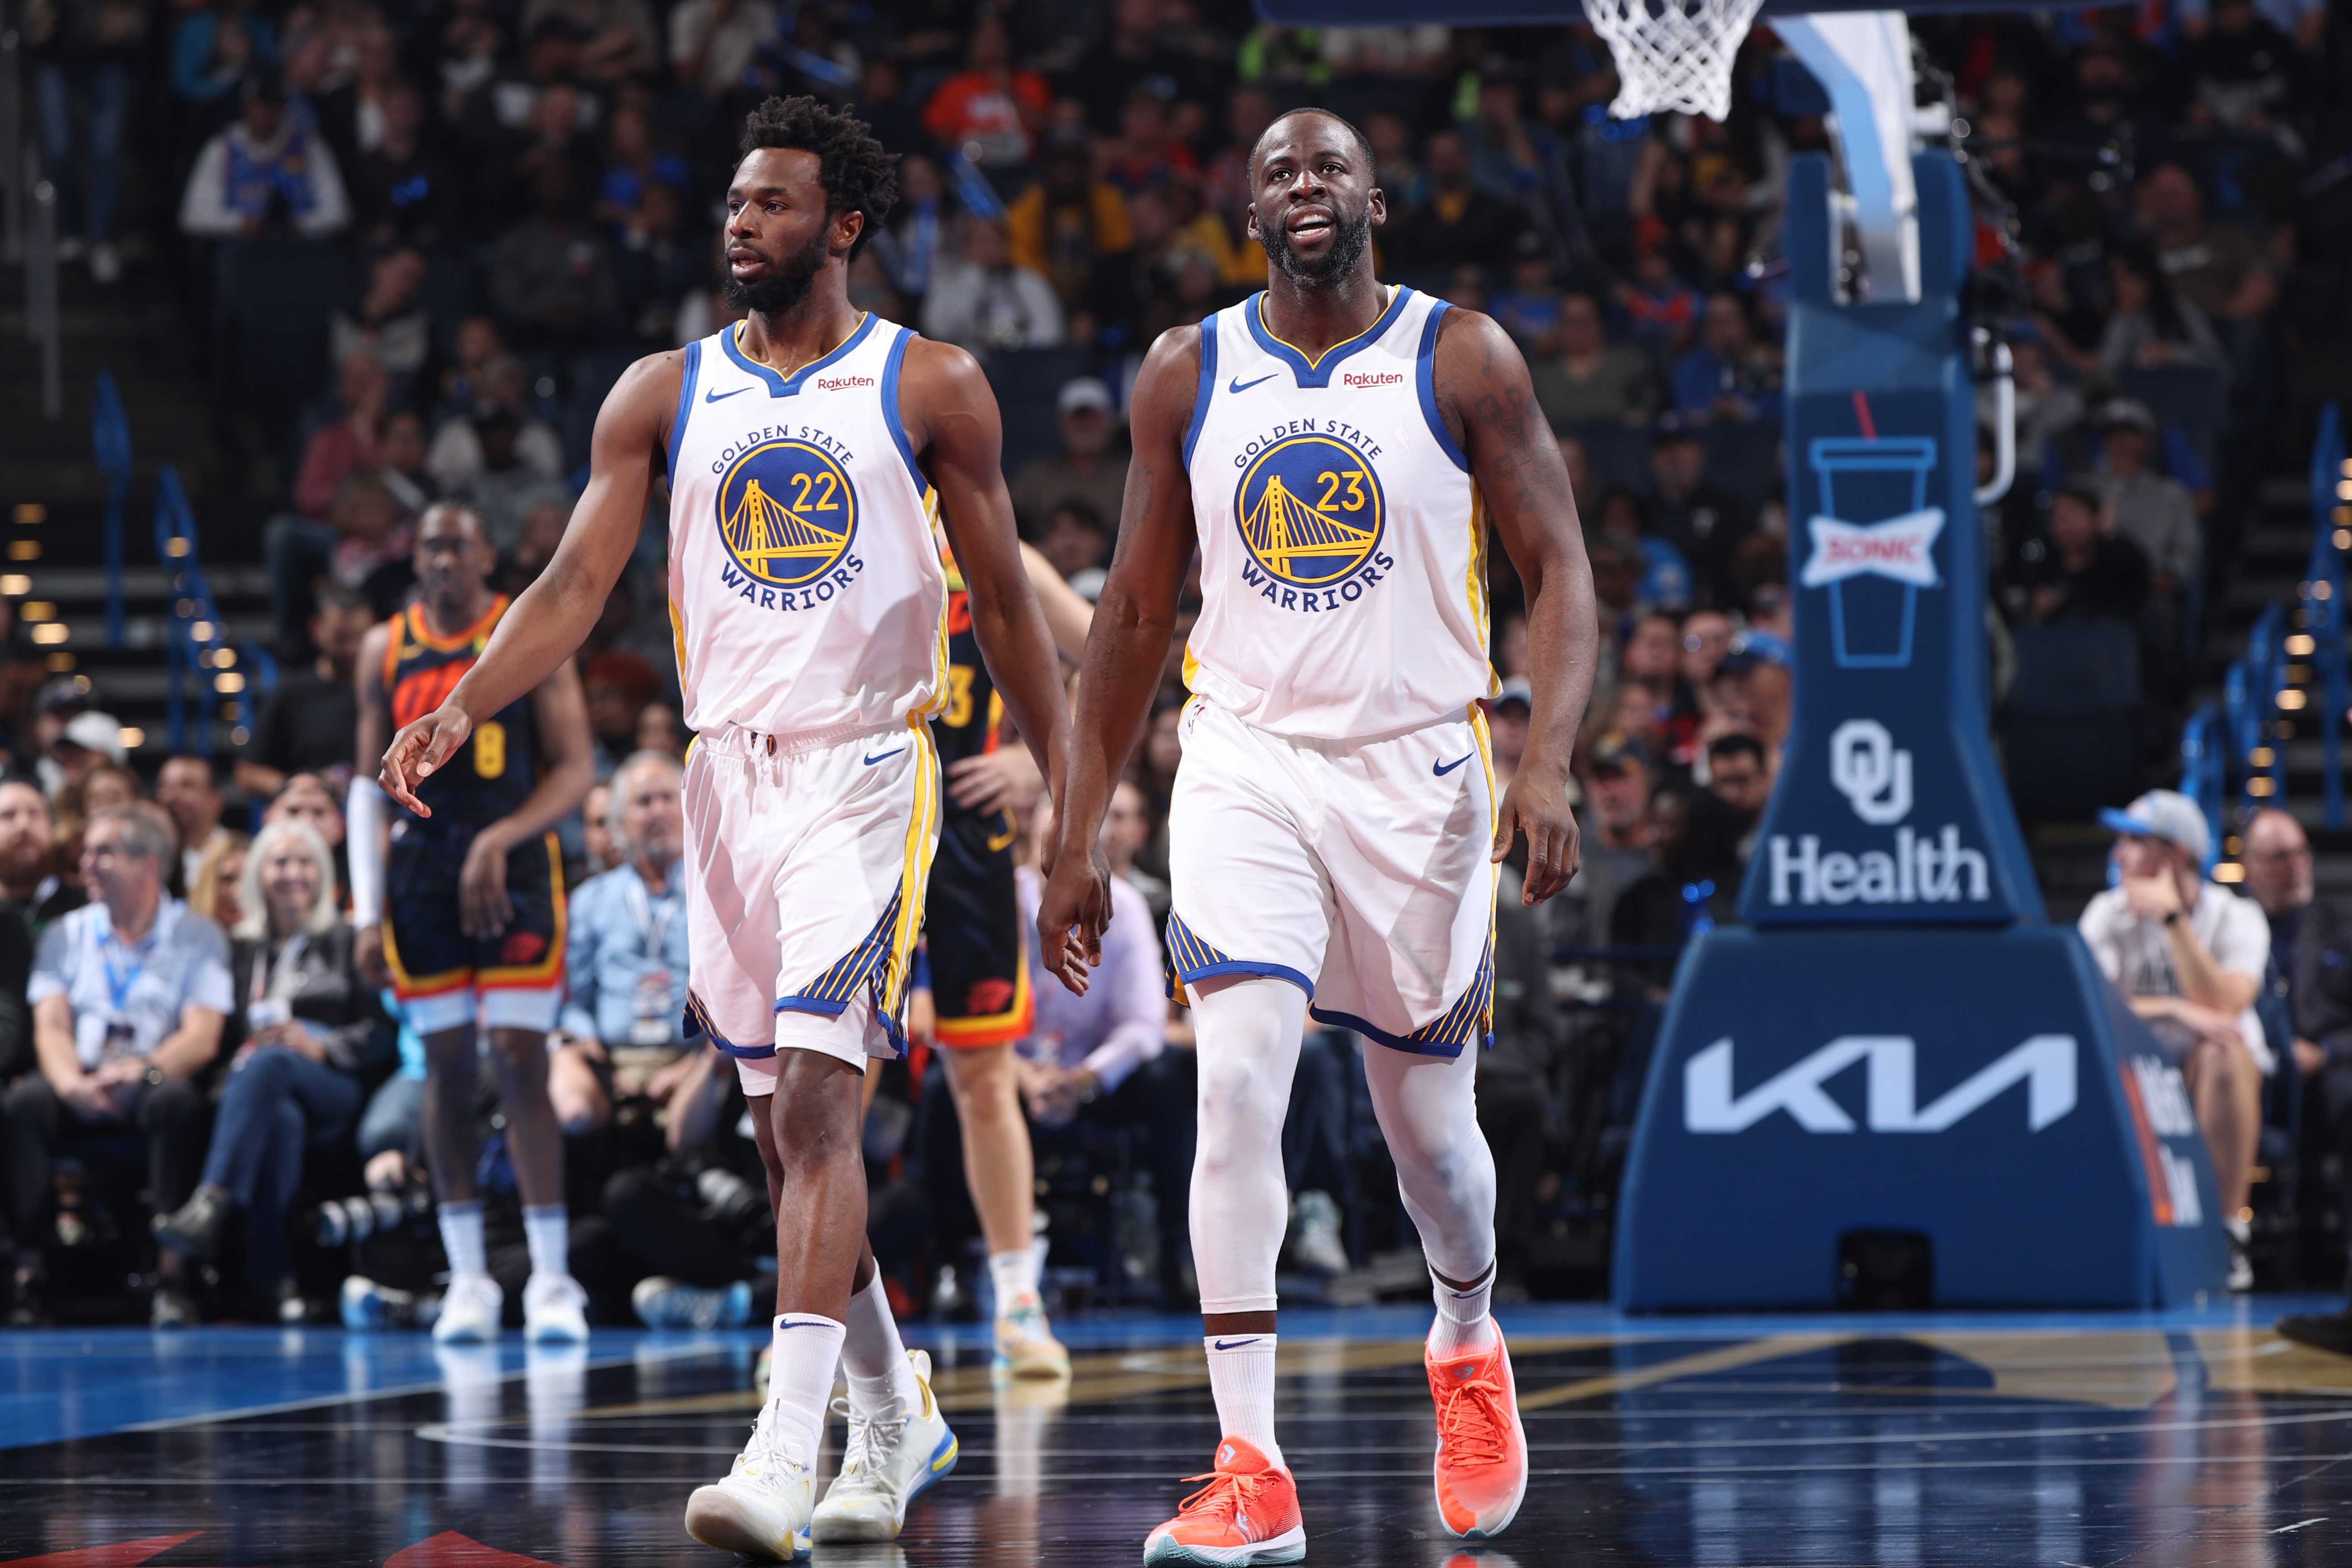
{"x": 494, "y": 206}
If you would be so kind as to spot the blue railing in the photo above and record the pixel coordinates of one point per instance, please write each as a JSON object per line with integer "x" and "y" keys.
{"x": 2267, "y": 696}
{"x": 110, "y": 435}
{"x": 195, "y": 640}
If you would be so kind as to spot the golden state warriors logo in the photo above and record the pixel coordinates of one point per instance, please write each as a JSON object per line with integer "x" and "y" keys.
{"x": 1310, "y": 509}
{"x": 787, "y": 514}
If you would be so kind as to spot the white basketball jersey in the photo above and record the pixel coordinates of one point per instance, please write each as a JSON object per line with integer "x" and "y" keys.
{"x": 804, "y": 587}
{"x": 1343, "y": 572}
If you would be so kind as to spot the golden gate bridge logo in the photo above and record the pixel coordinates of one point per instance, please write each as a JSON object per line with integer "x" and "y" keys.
{"x": 786, "y": 512}
{"x": 1310, "y": 509}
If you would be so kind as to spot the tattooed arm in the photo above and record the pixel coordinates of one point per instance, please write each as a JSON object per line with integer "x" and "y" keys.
{"x": 1485, "y": 398}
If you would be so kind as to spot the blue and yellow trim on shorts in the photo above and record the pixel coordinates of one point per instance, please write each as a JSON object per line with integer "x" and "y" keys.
{"x": 885, "y": 960}
{"x": 1190, "y": 959}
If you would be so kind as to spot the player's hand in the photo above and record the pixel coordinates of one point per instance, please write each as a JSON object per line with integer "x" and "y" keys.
{"x": 367, "y": 955}
{"x": 419, "y": 751}
{"x": 1537, "y": 804}
{"x": 1072, "y": 917}
{"x": 484, "y": 910}
{"x": 1004, "y": 780}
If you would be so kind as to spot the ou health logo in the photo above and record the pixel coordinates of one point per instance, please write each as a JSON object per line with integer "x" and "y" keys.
{"x": 786, "y": 512}
{"x": 1311, "y": 509}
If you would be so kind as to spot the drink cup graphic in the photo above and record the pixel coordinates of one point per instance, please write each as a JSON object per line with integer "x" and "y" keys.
{"x": 1873, "y": 544}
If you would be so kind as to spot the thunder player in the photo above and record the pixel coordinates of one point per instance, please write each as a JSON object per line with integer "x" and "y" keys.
{"x": 1337, "y": 449}
{"x": 472, "y": 913}
{"x": 809, "y": 450}
{"x": 980, "y": 970}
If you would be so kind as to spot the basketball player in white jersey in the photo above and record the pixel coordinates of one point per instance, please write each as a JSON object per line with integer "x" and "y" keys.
{"x": 809, "y": 450}
{"x": 1337, "y": 449}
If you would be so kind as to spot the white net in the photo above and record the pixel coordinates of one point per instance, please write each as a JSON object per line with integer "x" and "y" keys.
{"x": 1673, "y": 56}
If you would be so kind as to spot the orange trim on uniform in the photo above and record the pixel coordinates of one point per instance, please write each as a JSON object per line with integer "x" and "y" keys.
{"x": 548, "y": 970}
{"x": 482, "y": 628}
{"x": 406, "y": 986}
{"x": 994, "y": 1028}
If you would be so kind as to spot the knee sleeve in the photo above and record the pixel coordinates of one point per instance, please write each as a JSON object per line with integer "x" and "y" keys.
{"x": 1428, "y": 1111}
{"x": 1249, "y": 1033}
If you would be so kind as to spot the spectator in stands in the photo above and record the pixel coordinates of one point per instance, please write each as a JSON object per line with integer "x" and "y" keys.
{"x": 982, "y": 301}
{"x": 1662, "y": 309}
{"x": 1699, "y": 518}
{"x": 305, "y": 1028}
{"x": 187, "y": 788}
{"x": 913, "y": 241}
{"x": 269, "y": 172}
{"x": 1753, "y": 687}
{"x": 551, "y": 275}
{"x": 390, "y": 320}
{"x": 596, "y": 830}
{"x": 617, "y": 686}
{"x": 618, "y": 1036}
{"x": 89, "y": 740}
{"x": 1529, "y": 309}
{"x": 991, "y": 111}
{"x": 406, "y": 187}
{"x": 340, "y": 449}
{"x": 1513, "y": 1074}
{"x": 87, "y": 55}
{"x": 2089, "y": 573}
{"x": 308, "y": 798}
{"x": 713, "y": 42}
{"x": 1694, "y": 887}
{"x": 1098, "y": 1056}
{"x": 2220, "y": 269}
{"x": 29, "y": 879}
{"x": 1740, "y": 774}
{"x": 310, "y": 724}
{"x": 1591, "y": 381}
{"x": 617, "y": 38}
{"x": 2150, "y": 508}
{"x": 1065, "y": 223}
{"x": 128, "y": 995}
{"x": 1146, "y": 152}
{"x": 1089, "y": 468}
{"x": 2188, "y": 956}
{"x": 1727, "y": 374}
{"x": 1457, "y": 222}
{"x": 500, "y": 393}
{"x": 661, "y": 729}
{"x": 1616, "y": 831}
{"x": 2150, "y": 323}
{"x": 1076, "y": 541}
{"x": 213, "y": 889}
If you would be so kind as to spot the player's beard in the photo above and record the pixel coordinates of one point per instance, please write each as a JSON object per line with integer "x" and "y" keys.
{"x": 1351, "y": 236}
{"x": 787, "y": 283}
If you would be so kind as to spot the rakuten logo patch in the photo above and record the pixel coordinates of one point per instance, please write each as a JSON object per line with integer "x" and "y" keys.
{"x": 842, "y": 383}
{"x": 1371, "y": 378}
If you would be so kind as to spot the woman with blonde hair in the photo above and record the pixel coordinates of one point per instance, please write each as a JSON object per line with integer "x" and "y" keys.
{"x": 216, "y": 891}
{"x": 309, "y": 1029}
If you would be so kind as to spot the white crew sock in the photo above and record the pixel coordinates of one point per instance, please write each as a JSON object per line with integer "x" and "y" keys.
{"x": 875, "y": 1358}
{"x": 1014, "y": 1275}
{"x": 1463, "y": 1325}
{"x": 1241, "y": 1376}
{"x": 461, "y": 1238}
{"x": 547, "y": 1229}
{"x": 800, "y": 1382}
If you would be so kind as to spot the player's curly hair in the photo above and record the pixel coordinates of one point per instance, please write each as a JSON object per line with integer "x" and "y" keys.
{"x": 857, "y": 174}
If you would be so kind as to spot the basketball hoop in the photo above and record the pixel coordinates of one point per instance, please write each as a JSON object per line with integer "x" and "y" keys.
{"x": 1673, "y": 54}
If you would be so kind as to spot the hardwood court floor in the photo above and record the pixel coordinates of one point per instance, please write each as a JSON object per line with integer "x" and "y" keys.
{"x": 2179, "y": 1438}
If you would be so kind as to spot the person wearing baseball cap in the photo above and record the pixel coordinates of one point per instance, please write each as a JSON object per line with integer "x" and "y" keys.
{"x": 2188, "y": 956}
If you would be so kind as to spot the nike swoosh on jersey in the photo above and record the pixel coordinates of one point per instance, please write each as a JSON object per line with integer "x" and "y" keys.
{"x": 883, "y": 758}
{"x": 1238, "y": 385}
{"x": 1442, "y": 769}
{"x": 714, "y": 396}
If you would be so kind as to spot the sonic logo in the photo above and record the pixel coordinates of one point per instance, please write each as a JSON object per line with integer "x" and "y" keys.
{"x": 787, "y": 514}
{"x": 1311, "y": 510}
{"x": 1902, "y": 549}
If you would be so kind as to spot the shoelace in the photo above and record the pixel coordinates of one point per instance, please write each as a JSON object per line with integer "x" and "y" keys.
{"x": 1229, "y": 1496}
{"x": 1472, "y": 1423}
{"x": 758, "y": 1454}
{"x": 872, "y": 1439}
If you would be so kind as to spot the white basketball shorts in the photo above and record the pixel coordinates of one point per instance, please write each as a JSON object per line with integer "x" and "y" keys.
{"x": 806, "y": 862}
{"x": 1357, "y": 870}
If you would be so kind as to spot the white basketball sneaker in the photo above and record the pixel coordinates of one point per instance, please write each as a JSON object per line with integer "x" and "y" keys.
{"x": 763, "y": 1508}
{"x": 469, "y": 1311}
{"x": 888, "y": 1460}
{"x": 551, "y": 1306}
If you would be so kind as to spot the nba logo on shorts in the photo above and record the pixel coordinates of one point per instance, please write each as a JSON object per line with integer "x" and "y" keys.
{"x": 1311, "y": 511}
{"x": 787, "y": 513}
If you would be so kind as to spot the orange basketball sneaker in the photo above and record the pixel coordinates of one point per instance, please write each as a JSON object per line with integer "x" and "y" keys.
{"x": 1247, "y": 1514}
{"x": 1482, "y": 1451}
